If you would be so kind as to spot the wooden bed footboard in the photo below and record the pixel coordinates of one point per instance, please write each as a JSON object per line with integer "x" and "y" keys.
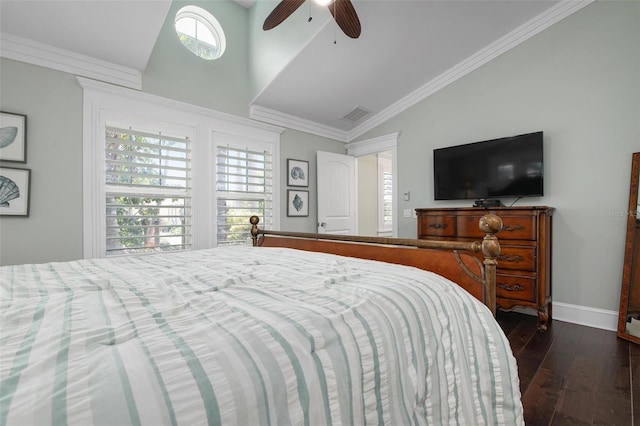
{"x": 450, "y": 259}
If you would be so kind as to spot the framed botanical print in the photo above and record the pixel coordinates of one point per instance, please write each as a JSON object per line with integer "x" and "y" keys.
{"x": 297, "y": 172}
{"x": 297, "y": 203}
{"x": 13, "y": 137}
{"x": 14, "y": 191}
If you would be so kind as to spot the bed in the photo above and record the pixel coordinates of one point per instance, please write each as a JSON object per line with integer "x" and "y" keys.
{"x": 252, "y": 336}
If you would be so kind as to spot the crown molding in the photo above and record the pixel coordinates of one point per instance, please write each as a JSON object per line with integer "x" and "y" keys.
{"x": 373, "y": 145}
{"x": 512, "y": 39}
{"x": 293, "y": 122}
{"x": 24, "y": 50}
{"x": 174, "y": 105}
{"x": 44, "y": 55}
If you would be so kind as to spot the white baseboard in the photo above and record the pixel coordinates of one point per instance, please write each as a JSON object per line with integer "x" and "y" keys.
{"x": 582, "y": 315}
{"x": 585, "y": 315}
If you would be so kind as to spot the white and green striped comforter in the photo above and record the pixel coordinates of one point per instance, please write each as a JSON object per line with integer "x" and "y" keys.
{"x": 248, "y": 336}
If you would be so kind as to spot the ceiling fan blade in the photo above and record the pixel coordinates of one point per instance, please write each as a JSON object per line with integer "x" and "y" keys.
{"x": 345, "y": 15}
{"x": 280, "y": 13}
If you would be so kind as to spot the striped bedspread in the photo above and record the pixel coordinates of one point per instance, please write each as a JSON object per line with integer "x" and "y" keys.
{"x": 248, "y": 336}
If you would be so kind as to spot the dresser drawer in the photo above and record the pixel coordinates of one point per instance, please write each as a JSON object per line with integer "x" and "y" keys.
{"x": 513, "y": 228}
{"x": 517, "y": 258}
{"x": 437, "y": 226}
{"x": 524, "y": 264}
{"x": 514, "y": 287}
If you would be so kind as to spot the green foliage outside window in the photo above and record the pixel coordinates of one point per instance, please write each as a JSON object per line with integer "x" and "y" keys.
{"x": 200, "y": 48}
{"x": 138, "y": 222}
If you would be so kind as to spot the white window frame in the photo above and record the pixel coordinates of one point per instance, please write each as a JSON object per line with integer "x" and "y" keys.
{"x": 209, "y": 21}
{"x": 108, "y": 104}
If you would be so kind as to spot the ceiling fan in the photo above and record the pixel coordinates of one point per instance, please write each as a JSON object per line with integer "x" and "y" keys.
{"x": 342, "y": 10}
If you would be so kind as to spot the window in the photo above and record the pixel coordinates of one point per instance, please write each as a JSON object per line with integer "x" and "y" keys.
{"x": 200, "y": 32}
{"x": 385, "y": 194}
{"x": 147, "y": 192}
{"x": 150, "y": 170}
{"x": 244, "y": 187}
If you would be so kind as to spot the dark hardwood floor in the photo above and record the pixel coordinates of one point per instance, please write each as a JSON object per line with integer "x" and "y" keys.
{"x": 572, "y": 374}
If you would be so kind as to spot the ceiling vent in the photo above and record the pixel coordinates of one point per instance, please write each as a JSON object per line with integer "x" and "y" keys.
{"x": 356, "y": 114}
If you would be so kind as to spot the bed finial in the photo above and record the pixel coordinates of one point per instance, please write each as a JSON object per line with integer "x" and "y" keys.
{"x": 254, "y": 220}
{"x": 490, "y": 224}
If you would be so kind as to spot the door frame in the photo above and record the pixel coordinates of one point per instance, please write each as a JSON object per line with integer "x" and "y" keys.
{"x": 373, "y": 146}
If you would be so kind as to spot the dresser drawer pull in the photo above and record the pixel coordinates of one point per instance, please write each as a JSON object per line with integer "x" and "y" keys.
{"x": 511, "y": 287}
{"x": 512, "y": 259}
{"x": 513, "y": 228}
{"x": 438, "y": 225}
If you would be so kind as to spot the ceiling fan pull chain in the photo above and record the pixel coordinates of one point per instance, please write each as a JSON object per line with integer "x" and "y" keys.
{"x": 335, "y": 23}
{"x": 309, "y": 12}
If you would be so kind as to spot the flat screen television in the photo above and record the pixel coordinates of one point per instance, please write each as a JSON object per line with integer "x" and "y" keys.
{"x": 492, "y": 169}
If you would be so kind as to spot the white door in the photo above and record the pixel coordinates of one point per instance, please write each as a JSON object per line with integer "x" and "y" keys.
{"x": 336, "y": 193}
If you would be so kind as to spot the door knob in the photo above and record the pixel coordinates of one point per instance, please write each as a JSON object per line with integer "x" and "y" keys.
{"x": 323, "y": 224}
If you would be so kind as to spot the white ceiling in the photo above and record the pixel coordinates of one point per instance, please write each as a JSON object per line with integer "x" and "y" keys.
{"x": 404, "y": 44}
{"x": 406, "y": 51}
{"x": 121, "y": 32}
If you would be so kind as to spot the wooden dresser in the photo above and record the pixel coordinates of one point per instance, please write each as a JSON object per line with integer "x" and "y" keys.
{"x": 524, "y": 264}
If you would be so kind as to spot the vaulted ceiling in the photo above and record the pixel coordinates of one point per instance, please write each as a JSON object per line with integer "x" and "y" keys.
{"x": 407, "y": 50}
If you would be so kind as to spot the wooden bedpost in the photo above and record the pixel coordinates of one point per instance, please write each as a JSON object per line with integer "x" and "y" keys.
{"x": 254, "y": 229}
{"x": 490, "y": 224}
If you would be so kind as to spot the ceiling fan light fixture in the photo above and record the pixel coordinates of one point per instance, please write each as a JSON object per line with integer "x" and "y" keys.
{"x": 323, "y": 2}
{"x": 342, "y": 11}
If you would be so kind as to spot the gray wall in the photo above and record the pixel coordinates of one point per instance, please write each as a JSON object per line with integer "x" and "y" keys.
{"x": 303, "y": 146}
{"x": 174, "y": 72}
{"x": 52, "y": 101}
{"x": 368, "y": 195}
{"x": 579, "y": 82}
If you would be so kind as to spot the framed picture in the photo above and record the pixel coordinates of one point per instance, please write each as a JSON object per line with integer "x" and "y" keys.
{"x": 14, "y": 191}
{"x": 297, "y": 202}
{"x": 297, "y": 172}
{"x": 13, "y": 137}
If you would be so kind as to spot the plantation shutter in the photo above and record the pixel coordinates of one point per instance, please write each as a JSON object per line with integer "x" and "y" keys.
{"x": 387, "y": 199}
{"x": 385, "y": 194}
{"x": 244, "y": 187}
{"x": 148, "y": 192}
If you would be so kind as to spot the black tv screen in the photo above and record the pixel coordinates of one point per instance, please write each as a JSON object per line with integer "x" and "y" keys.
{"x": 497, "y": 168}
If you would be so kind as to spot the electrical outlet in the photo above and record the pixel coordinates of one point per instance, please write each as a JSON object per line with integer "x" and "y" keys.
{"x": 407, "y": 212}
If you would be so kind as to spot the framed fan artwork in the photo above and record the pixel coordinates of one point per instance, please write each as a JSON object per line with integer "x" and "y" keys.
{"x": 13, "y": 137}
{"x": 297, "y": 173}
{"x": 297, "y": 203}
{"x": 14, "y": 191}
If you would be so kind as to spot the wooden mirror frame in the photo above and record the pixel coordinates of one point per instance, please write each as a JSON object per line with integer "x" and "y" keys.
{"x": 628, "y": 268}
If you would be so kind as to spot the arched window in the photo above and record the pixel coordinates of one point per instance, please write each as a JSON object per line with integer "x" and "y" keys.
{"x": 200, "y": 32}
